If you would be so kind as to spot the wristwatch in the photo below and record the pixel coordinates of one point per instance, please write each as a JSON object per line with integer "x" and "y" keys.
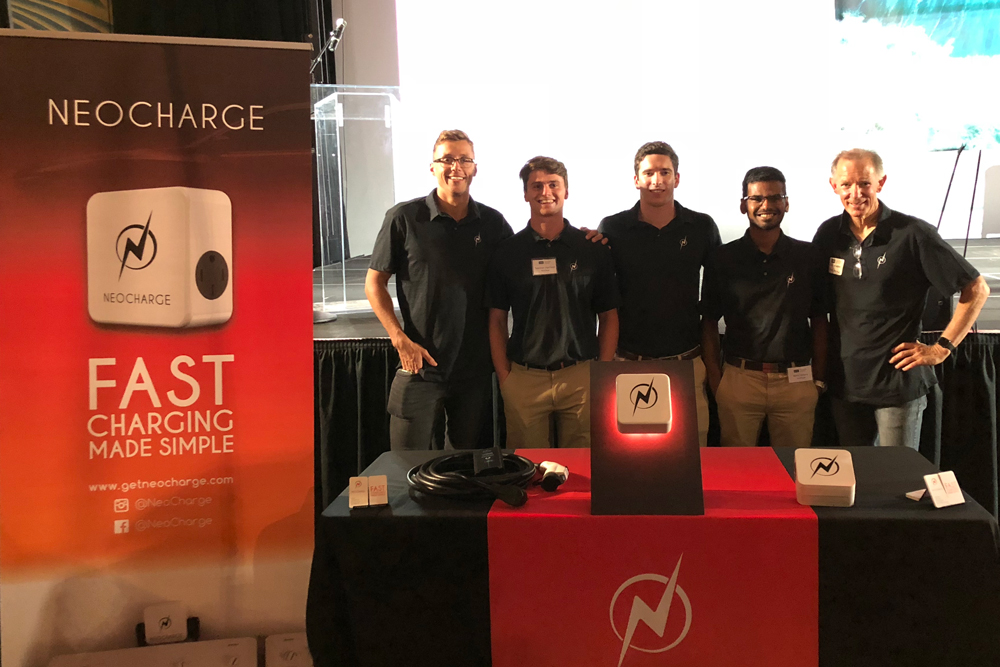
{"x": 820, "y": 385}
{"x": 946, "y": 344}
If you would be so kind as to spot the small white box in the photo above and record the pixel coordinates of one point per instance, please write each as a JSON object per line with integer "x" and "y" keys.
{"x": 160, "y": 257}
{"x": 643, "y": 401}
{"x": 824, "y": 477}
{"x": 165, "y": 623}
{"x": 287, "y": 650}
{"x": 240, "y": 652}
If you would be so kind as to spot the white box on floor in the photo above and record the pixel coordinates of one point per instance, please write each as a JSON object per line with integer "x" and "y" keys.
{"x": 824, "y": 477}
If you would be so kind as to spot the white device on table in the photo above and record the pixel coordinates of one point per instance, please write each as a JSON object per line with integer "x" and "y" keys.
{"x": 643, "y": 401}
{"x": 824, "y": 477}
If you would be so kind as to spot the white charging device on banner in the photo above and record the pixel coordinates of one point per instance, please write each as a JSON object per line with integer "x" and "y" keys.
{"x": 160, "y": 257}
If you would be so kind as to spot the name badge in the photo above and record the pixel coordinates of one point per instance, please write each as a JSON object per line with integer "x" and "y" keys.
{"x": 836, "y": 266}
{"x": 801, "y": 373}
{"x": 546, "y": 267}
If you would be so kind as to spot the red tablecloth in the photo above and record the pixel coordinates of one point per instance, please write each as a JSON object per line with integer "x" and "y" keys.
{"x": 737, "y": 586}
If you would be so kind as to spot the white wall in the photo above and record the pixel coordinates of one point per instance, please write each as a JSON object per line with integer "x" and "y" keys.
{"x": 730, "y": 85}
{"x": 367, "y": 54}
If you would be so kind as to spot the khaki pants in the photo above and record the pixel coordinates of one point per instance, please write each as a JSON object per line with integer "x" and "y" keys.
{"x": 745, "y": 398}
{"x": 530, "y": 396}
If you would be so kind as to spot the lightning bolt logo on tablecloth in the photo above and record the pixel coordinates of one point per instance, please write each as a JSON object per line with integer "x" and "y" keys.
{"x": 655, "y": 619}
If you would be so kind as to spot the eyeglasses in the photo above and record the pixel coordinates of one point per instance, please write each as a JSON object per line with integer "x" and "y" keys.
{"x": 856, "y": 251}
{"x": 757, "y": 200}
{"x": 466, "y": 162}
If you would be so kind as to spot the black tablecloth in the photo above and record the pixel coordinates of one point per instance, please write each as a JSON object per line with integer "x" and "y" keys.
{"x": 352, "y": 380}
{"x": 901, "y": 583}
{"x": 406, "y": 584}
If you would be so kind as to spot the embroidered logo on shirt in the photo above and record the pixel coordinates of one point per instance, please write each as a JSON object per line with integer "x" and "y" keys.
{"x": 791, "y": 279}
{"x": 881, "y": 261}
{"x": 684, "y": 241}
{"x": 572, "y": 267}
{"x": 478, "y": 238}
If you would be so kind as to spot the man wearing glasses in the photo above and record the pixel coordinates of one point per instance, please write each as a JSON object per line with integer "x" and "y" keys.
{"x": 438, "y": 247}
{"x": 659, "y": 248}
{"x": 769, "y": 288}
{"x": 880, "y": 265}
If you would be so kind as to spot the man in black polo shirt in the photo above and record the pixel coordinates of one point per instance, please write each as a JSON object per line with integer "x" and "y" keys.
{"x": 558, "y": 285}
{"x": 439, "y": 247}
{"x": 659, "y": 248}
{"x": 769, "y": 288}
{"x": 881, "y": 264}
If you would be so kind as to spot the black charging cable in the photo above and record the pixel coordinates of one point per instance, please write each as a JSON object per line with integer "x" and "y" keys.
{"x": 453, "y": 476}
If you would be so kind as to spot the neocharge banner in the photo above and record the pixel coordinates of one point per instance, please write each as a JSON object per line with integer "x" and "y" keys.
{"x": 155, "y": 339}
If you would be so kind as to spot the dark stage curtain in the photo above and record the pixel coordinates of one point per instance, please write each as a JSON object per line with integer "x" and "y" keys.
{"x": 960, "y": 424}
{"x": 271, "y": 20}
{"x": 352, "y": 380}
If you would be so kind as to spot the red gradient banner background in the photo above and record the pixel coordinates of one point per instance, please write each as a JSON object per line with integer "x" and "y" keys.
{"x": 60, "y": 505}
{"x": 564, "y": 584}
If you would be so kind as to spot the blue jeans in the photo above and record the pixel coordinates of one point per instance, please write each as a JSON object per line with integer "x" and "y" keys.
{"x": 861, "y": 425}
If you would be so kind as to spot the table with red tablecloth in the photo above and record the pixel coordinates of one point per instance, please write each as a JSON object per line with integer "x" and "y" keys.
{"x": 757, "y": 580}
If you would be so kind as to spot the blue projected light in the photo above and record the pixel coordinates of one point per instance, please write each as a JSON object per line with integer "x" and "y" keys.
{"x": 968, "y": 26}
{"x": 934, "y": 63}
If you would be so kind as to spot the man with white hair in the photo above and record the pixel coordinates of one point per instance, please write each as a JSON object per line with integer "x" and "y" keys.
{"x": 881, "y": 264}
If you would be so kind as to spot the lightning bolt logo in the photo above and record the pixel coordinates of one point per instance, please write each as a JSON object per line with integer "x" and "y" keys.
{"x": 819, "y": 464}
{"x": 136, "y": 250}
{"x": 644, "y": 396}
{"x": 655, "y": 619}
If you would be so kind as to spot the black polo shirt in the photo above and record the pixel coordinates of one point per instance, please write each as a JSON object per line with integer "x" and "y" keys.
{"x": 658, "y": 273}
{"x": 767, "y": 300}
{"x": 440, "y": 267}
{"x": 900, "y": 260}
{"x": 554, "y": 314}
